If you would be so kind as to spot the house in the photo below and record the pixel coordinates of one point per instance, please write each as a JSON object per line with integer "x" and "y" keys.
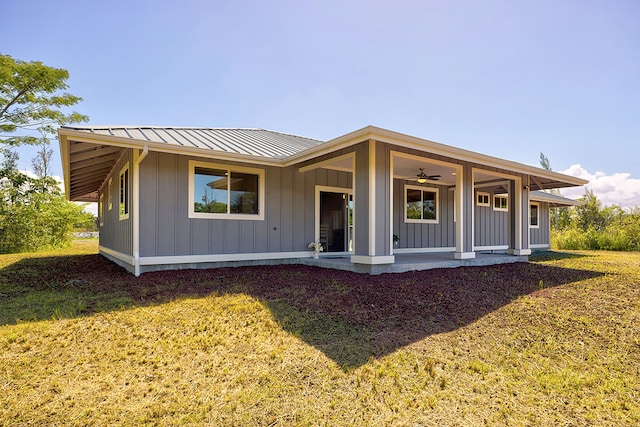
{"x": 190, "y": 197}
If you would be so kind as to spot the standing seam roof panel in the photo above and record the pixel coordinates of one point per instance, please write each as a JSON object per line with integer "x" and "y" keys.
{"x": 175, "y": 135}
{"x": 158, "y": 135}
{"x": 271, "y": 146}
{"x": 220, "y": 142}
{"x": 210, "y": 142}
{"x": 248, "y": 142}
{"x": 194, "y": 139}
{"x": 276, "y": 145}
{"x": 285, "y": 149}
{"x": 245, "y": 147}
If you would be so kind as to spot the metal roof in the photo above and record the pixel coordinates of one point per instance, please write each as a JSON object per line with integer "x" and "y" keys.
{"x": 554, "y": 200}
{"x": 90, "y": 153}
{"x": 251, "y": 142}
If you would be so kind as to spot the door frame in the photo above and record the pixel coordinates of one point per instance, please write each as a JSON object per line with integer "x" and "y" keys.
{"x": 339, "y": 190}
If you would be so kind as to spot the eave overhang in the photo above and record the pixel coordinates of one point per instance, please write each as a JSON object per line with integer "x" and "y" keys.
{"x": 88, "y": 158}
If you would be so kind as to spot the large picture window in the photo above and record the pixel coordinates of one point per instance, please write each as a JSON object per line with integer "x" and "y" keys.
{"x": 220, "y": 191}
{"x": 421, "y": 204}
{"x": 124, "y": 193}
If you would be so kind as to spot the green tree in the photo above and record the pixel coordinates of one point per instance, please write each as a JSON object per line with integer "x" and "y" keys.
{"x": 588, "y": 214}
{"x": 555, "y": 212}
{"x": 34, "y": 213}
{"x": 31, "y": 99}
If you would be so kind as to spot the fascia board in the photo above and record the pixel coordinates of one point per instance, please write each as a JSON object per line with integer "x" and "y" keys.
{"x": 539, "y": 196}
{"x": 64, "y": 154}
{"x": 344, "y": 141}
{"x": 420, "y": 144}
{"x": 470, "y": 156}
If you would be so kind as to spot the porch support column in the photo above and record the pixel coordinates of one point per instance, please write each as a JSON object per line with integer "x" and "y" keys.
{"x": 519, "y": 217}
{"x": 464, "y": 213}
{"x": 372, "y": 200}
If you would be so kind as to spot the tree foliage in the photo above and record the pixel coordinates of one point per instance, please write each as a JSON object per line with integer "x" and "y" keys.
{"x": 32, "y": 98}
{"x": 592, "y": 226}
{"x": 34, "y": 213}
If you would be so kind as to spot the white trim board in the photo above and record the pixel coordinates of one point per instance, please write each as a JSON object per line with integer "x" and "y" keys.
{"x": 491, "y": 248}
{"x": 128, "y": 259}
{"x": 424, "y": 250}
{"x": 196, "y": 259}
{"x": 371, "y": 260}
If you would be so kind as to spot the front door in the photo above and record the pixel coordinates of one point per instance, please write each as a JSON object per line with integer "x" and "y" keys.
{"x": 336, "y": 221}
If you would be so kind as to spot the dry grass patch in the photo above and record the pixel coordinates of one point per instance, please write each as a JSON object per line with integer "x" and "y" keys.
{"x": 554, "y": 342}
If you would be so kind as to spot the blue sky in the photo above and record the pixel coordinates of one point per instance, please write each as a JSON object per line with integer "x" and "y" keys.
{"x": 505, "y": 78}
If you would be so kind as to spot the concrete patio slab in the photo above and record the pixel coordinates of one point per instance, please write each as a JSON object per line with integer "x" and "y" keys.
{"x": 413, "y": 262}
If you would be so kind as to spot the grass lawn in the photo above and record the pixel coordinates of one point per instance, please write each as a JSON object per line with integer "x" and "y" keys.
{"x": 552, "y": 342}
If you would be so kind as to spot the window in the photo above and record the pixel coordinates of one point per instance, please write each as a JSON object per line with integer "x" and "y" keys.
{"x": 220, "y": 191}
{"x": 482, "y": 199}
{"x": 124, "y": 192}
{"x": 534, "y": 215}
{"x": 500, "y": 203}
{"x": 421, "y": 204}
{"x": 109, "y": 198}
{"x": 101, "y": 209}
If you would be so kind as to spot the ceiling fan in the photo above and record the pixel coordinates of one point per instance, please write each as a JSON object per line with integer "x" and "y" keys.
{"x": 423, "y": 177}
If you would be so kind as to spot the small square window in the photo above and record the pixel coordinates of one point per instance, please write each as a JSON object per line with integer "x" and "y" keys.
{"x": 500, "y": 203}
{"x": 482, "y": 199}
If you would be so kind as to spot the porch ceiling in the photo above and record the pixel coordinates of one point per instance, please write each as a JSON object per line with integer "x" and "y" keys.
{"x": 408, "y": 168}
{"x": 89, "y": 166}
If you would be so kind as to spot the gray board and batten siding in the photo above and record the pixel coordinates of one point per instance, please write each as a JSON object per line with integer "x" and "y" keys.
{"x": 540, "y": 236}
{"x": 413, "y": 235}
{"x": 289, "y": 217}
{"x": 120, "y": 235}
{"x": 288, "y": 224}
{"x": 491, "y": 227}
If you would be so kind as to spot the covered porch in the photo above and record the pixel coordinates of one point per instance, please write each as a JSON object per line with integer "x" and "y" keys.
{"x": 413, "y": 262}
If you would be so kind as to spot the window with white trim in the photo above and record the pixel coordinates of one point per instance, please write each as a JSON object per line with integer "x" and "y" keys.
{"x": 109, "y": 198}
{"x": 124, "y": 193}
{"x": 534, "y": 215}
{"x": 500, "y": 202}
{"x": 101, "y": 208}
{"x": 421, "y": 204}
{"x": 223, "y": 191}
{"x": 482, "y": 199}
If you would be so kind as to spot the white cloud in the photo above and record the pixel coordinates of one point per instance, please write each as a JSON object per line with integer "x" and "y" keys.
{"x": 617, "y": 189}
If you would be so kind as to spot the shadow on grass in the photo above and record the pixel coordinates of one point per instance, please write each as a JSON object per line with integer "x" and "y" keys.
{"x": 350, "y": 317}
{"x": 554, "y": 256}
